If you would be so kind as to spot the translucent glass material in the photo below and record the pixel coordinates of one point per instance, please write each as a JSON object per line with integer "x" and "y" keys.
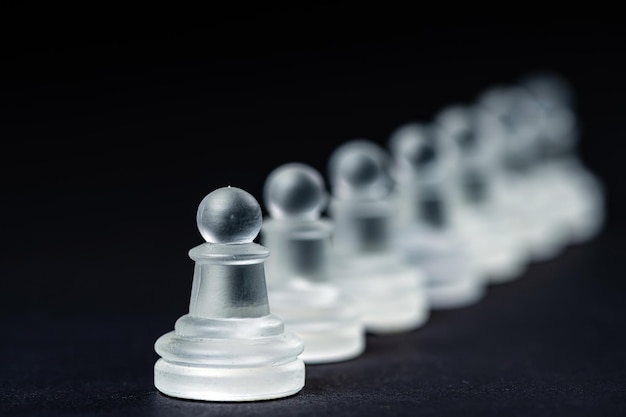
{"x": 390, "y": 293}
{"x": 423, "y": 230}
{"x": 229, "y": 214}
{"x": 554, "y": 198}
{"x": 325, "y": 319}
{"x": 229, "y": 347}
{"x": 476, "y": 214}
{"x": 454, "y": 277}
{"x": 294, "y": 191}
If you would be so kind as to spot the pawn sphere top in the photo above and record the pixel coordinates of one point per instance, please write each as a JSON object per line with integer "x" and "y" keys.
{"x": 495, "y": 99}
{"x": 358, "y": 169}
{"x": 294, "y": 191}
{"x": 413, "y": 144}
{"x": 550, "y": 89}
{"x": 229, "y": 215}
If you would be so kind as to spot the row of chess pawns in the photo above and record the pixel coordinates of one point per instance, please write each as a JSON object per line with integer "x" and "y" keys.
{"x": 449, "y": 208}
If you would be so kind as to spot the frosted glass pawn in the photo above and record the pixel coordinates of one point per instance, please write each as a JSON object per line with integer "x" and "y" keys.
{"x": 579, "y": 192}
{"x": 522, "y": 121}
{"x": 424, "y": 233}
{"x": 475, "y": 211}
{"x": 229, "y": 347}
{"x": 299, "y": 289}
{"x": 389, "y": 292}
{"x": 493, "y": 129}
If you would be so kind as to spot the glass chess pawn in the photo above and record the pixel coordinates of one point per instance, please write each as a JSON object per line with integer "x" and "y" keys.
{"x": 229, "y": 347}
{"x": 391, "y": 294}
{"x": 424, "y": 232}
{"x": 298, "y": 277}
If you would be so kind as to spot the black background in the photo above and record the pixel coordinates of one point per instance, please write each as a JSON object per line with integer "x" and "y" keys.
{"x": 117, "y": 122}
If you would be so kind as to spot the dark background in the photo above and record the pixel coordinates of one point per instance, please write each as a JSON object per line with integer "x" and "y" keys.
{"x": 117, "y": 122}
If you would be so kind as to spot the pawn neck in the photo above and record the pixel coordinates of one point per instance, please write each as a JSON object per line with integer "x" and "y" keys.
{"x": 474, "y": 185}
{"x": 229, "y": 281}
{"x": 299, "y": 249}
{"x": 423, "y": 203}
{"x": 361, "y": 227}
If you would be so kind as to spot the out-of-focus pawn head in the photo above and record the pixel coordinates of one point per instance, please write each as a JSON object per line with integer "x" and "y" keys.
{"x": 358, "y": 170}
{"x": 456, "y": 121}
{"x": 555, "y": 97}
{"x": 295, "y": 191}
{"x": 514, "y": 106}
{"x": 550, "y": 89}
{"x": 414, "y": 151}
{"x": 229, "y": 215}
{"x": 457, "y": 128}
{"x": 525, "y": 115}
{"x": 495, "y": 100}
{"x": 522, "y": 121}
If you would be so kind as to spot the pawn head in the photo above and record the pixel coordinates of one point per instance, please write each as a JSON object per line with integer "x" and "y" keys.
{"x": 229, "y": 215}
{"x": 358, "y": 169}
{"x": 294, "y": 191}
{"x": 413, "y": 148}
{"x": 457, "y": 124}
{"x": 550, "y": 89}
{"x": 496, "y": 100}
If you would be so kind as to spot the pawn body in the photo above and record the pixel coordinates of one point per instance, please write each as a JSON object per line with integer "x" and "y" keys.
{"x": 475, "y": 211}
{"x": 300, "y": 292}
{"x": 497, "y": 252}
{"x": 528, "y": 194}
{"x": 323, "y": 316}
{"x": 455, "y": 278}
{"x": 390, "y": 293}
{"x": 423, "y": 231}
{"x": 229, "y": 347}
{"x": 544, "y": 231}
{"x": 582, "y": 194}
{"x": 580, "y": 212}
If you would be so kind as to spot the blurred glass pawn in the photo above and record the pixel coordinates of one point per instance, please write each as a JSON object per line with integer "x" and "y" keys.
{"x": 390, "y": 292}
{"x": 299, "y": 290}
{"x": 474, "y": 212}
{"x": 579, "y": 193}
{"x": 493, "y": 128}
{"x": 520, "y": 122}
{"x": 423, "y": 231}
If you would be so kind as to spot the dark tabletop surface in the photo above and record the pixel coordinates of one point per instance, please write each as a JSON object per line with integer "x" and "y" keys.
{"x": 551, "y": 343}
{"x": 119, "y": 127}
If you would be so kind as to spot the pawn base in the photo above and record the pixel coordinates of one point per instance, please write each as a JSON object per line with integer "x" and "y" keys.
{"x": 228, "y": 384}
{"x": 543, "y": 244}
{"x": 405, "y": 312}
{"x": 324, "y": 318}
{"x": 337, "y": 344}
{"x": 500, "y": 270}
{"x": 456, "y": 294}
{"x": 389, "y": 294}
{"x": 454, "y": 279}
{"x": 499, "y": 256}
{"x": 501, "y": 262}
{"x": 234, "y": 359}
